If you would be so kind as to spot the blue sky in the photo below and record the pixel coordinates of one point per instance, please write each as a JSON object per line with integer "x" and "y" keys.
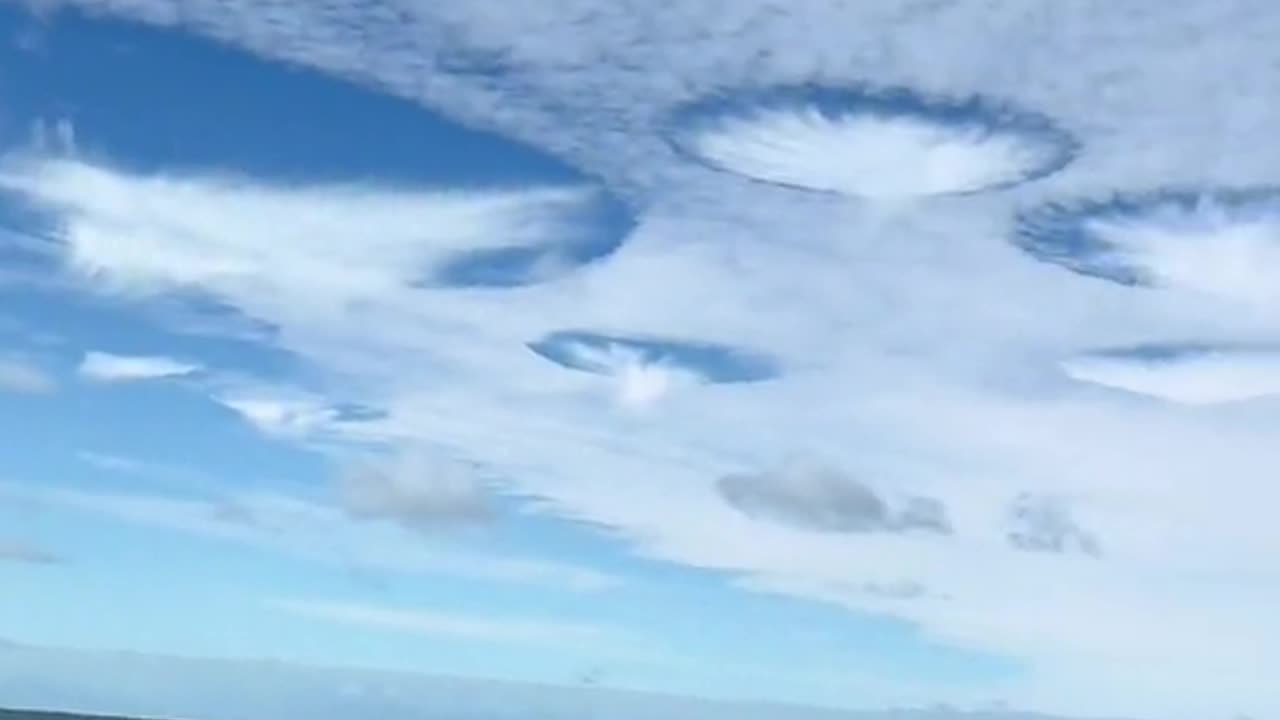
{"x": 654, "y": 348}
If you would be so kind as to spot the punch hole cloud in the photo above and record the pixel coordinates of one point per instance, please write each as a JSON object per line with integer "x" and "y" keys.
{"x": 1217, "y": 243}
{"x": 1190, "y": 374}
{"x": 889, "y": 143}
{"x": 234, "y": 237}
{"x": 665, "y": 359}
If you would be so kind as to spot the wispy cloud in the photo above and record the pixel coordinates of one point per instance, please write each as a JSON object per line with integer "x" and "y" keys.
{"x": 323, "y": 534}
{"x": 449, "y": 624}
{"x": 18, "y": 375}
{"x": 19, "y": 552}
{"x": 105, "y": 367}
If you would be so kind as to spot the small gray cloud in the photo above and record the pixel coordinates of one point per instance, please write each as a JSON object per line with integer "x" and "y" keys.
{"x": 826, "y": 500}
{"x": 19, "y": 552}
{"x": 416, "y": 491}
{"x": 924, "y": 513}
{"x": 1044, "y": 524}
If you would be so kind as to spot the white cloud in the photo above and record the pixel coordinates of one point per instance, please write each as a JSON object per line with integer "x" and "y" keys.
{"x": 919, "y": 350}
{"x": 110, "y": 368}
{"x": 20, "y": 376}
{"x": 449, "y": 624}
{"x": 280, "y": 415}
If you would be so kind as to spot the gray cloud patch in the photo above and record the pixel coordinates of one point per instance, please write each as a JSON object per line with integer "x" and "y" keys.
{"x": 826, "y": 500}
{"x": 416, "y": 492}
{"x": 1044, "y": 524}
{"x": 923, "y": 513}
{"x": 29, "y": 554}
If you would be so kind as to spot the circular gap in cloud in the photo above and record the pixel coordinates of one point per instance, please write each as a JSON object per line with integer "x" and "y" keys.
{"x": 1186, "y": 373}
{"x": 871, "y": 143}
{"x": 585, "y": 228}
{"x": 1220, "y": 242}
{"x": 605, "y": 354}
{"x": 63, "y": 101}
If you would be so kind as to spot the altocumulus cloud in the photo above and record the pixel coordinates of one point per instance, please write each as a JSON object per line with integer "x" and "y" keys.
{"x": 1154, "y": 640}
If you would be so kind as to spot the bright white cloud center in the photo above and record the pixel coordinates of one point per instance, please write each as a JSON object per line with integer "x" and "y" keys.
{"x": 881, "y": 146}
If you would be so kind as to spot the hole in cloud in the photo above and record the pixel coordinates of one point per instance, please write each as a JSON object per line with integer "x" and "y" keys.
{"x": 227, "y": 238}
{"x": 626, "y": 356}
{"x": 587, "y": 228}
{"x": 292, "y": 128}
{"x": 824, "y": 500}
{"x": 1044, "y": 524}
{"x": 1223, "y": 243}
{"x": 1192, "y": 374}
{"x": 872, "y": 143}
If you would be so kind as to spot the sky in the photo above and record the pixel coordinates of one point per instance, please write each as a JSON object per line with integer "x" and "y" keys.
{"x": 898, "y": 354}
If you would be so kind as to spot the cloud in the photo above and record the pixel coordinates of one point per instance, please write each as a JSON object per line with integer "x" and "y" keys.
{"x": 109, "y": 368}
{"x": 448, "y": 624}
{"x": 20, "y": 376}
{"x": 416, "y": 490}
{"x": 1041, "y": 524}
{"x": 1187, "y": 374}
{"x": 285, "y": 415}
{"x": 821, "y": 499}
{"x": 23, "y": 553}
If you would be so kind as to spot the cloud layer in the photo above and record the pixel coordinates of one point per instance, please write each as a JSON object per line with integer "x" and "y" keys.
{"x": 923, "y": 355}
